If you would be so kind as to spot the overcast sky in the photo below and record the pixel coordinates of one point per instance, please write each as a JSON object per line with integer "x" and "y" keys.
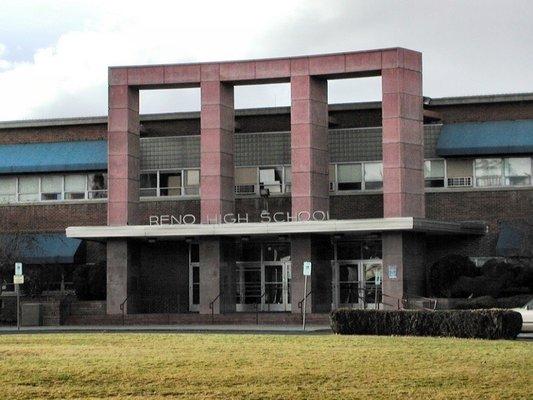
{"x": 54, "y": 54}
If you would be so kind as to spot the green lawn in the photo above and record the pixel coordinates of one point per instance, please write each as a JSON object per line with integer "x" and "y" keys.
{"x": 216, "y": 366}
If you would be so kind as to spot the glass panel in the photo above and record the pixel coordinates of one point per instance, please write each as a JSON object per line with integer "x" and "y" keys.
{"x": 75, "y": 187}
{"x": 196, "y": 285}
{"x": 373, "y": 176}
{"x": 28, "y": 188}
{"x": 373, "y": 278}
{"x": 349, "y": 176}
{"x": 249, "y": 285}
{"x": 271, "y": 179}
{"x": 348, "y": 283}
{"x": 246, "y": 176}
{"x": 170, "y": 183}
{"x": 372, "y": 249}
{"x": 434, "y": 173}
{"x": 488, "y": 172}
{"x": 8, "y": 189}
{"x": 288, "y": 179}
{"x": 250, "y": 251}
{"x": 97, "y": 185}
{"x": 274, "y": 284}
{"x": 349, "y": 250}
{"x": 51, "y": 187}
{"x": 195, "y": 252}
{"x": 192, "y": 182}
{"x": 277, "y": 252}
{"x": 148, "y": 184}
{"x": 518, "y": 171}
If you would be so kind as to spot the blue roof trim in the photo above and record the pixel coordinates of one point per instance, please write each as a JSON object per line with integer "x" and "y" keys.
{"x": 486, "y": 138}
{"x": 53, "y": 248}
{"x": 51, "y": 157}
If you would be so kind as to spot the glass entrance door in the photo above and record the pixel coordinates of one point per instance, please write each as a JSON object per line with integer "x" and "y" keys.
{"x": 263, "y": 286}
{"x": 346, "y": 284}
{"x": 356, "y": 283}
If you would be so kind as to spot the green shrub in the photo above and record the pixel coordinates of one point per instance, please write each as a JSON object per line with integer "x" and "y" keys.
{"x": 476, "y": 303}
{"x": 483, "y": 324}
{"x": 446, "y": 271}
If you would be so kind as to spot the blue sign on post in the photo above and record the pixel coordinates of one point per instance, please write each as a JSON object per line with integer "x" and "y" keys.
{"x": 18, "y": 268}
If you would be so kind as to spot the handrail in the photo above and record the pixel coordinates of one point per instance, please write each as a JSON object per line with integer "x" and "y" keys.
{"x": 257, "y": 307}
{"x": 212, "y": 308}
{"x": 301, "y": 302}
{"x": 122, "y": 309}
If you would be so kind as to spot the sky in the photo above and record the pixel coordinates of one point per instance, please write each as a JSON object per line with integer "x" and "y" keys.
{"x": 54, "y": 54}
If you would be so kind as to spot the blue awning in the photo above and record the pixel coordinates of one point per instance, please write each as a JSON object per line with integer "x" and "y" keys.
{"x": 54, "y": 248}
{"x": 486, "y": 138}
{"x": 49, "y": 157}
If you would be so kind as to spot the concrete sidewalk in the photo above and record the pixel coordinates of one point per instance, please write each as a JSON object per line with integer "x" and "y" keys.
{"x": 287, "y": 329}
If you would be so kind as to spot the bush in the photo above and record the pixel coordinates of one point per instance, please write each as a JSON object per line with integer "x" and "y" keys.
{"x": 446, "y": 271}
{"x": 483, "y": 324}
{"x": 490, "y": 302}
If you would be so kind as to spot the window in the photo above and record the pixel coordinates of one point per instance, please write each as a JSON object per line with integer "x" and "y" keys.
{"x": 170, "y": 183}
{"x": 434, "y": 173}
{"x": 517, "y": 171}
{"x": 332, "y": 178}
{"x": 75, "y": 186}
{"x": 488, "y": 172}
{"x": 271, "y": 179}
{"x": 192, "y": 182}
{"x": 28, "y": 188}
{"x": 373, "y": 176}
{"x": 349, "y": 177}
{"x": 245, "y": 180}
{"x": 8, "y": 189}
{"x": 459, "y": 172}
{"x": 97, "y": 185}
{"x": 51, "y": 187}
{"x": 148, "y": 183}
{"x": 288, "y": 179}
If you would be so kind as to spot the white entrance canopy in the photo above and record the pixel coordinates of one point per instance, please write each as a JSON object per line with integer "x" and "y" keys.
{"x": 372, "y": 225}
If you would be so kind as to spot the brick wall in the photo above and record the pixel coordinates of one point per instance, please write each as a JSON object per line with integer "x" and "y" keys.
{"x": 53, "y": 134}
{"x": 51, "y": 217}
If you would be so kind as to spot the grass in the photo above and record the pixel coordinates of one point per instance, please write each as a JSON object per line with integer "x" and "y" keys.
{"x": 232, "y": 366}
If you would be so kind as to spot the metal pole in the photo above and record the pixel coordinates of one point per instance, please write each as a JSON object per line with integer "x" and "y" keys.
{"x": 304, "y": 309}
{"x": 17, "y": 289}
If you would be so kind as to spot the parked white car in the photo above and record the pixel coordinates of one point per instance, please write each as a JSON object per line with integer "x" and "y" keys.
{"x": 527, "y": 316}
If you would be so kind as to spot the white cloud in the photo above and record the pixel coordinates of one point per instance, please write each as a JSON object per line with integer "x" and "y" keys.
{"x": 469, "y": 47}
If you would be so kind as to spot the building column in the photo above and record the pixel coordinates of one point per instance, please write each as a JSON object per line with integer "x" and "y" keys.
{"x": 403, "y": 266}
{"x": 123, "y": 190}
{"x": 310, "y": 189}
{"x": 309, "y": 144}
{"x": 217, "y": 196}
{"x": 317, "y": 249}
{"x": 217, "y": 275}
{"x": 403, "y": 171}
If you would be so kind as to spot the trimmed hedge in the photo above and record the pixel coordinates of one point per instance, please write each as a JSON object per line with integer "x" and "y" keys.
{"x": 482, "y": 324}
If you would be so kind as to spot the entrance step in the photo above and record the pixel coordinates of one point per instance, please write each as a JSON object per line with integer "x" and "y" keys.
{"x": 198, "y": 319}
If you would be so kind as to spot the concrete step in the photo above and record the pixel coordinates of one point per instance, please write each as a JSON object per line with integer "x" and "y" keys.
{"x": 193, "y": 318}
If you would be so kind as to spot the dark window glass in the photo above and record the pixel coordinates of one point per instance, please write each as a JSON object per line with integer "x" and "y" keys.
{"x": 277, "y": 252}
{"x": 250, "y": 251}
{"x": 372, "y": 249}
{"x": 195, "y": 252}
{"x": 349, "y": 250}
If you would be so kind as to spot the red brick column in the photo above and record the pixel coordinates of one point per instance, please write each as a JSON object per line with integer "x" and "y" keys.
{"x": 123, "y": 150}
{"x": 217, "y": 121}
{"x": 403, "y": 135}
{"x": 309, "y": 144}
{"x": 403, "y": 170}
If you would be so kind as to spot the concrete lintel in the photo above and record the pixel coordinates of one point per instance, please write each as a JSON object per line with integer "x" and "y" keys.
{"x": 328, "y": 227}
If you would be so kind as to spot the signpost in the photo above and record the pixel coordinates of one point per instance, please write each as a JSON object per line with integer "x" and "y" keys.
{"x": 18, "y": 279}
{"x": 307, "y": 272}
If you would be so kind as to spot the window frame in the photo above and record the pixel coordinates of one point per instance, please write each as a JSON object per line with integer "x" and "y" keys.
{"x": 182, "y": 188}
